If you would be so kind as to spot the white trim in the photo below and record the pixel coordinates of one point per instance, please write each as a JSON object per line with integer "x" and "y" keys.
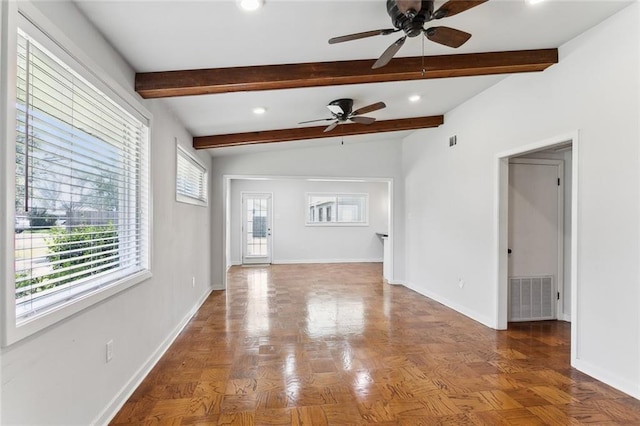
{"x": 575, "y": 325}
{"x": 558, "y": 283}
{"x": 482, "y": 319}
{"x": 8, "y": 64}
{"x": 501, "y": 245}
{"x": 116, "y": 403}
{"x": 623, "y": 384}
{"x": 314, "y": 261}
{"x": 7, "y": 155}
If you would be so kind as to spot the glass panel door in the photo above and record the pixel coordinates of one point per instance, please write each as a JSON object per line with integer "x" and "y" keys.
{"x": 256, "y": 228}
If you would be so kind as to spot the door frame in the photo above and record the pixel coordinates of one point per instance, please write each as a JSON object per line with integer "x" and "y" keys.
{"x": 225, "y": 256}
{"x": 501, "y": 215}
{"x": 243, "y": 213}
{"x": 558, "y": 285}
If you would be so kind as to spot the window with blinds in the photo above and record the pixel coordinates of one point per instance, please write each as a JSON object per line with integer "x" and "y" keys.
{"x": 191, "y": 179}
{"x": 81, "y": 194}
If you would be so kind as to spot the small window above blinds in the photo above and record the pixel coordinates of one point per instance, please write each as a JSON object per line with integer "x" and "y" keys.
{"x": 191, "y": 179}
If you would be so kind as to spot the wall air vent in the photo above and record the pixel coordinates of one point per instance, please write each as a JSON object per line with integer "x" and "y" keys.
{"x": 531, "y": 298}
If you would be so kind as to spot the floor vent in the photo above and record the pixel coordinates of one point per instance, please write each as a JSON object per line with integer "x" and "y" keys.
{"x": 531, "y": 298}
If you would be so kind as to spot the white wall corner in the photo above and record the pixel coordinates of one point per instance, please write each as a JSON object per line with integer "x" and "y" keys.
{"x": 623, "y": 384}
{"x": 482, "y": 319}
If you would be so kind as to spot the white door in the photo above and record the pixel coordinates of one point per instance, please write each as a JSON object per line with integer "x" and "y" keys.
{"x": 535, "y": 239}
{"x": 256, "y": 228}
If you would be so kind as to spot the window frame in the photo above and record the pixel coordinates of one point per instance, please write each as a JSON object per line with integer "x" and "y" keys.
{"x": 27, "y": 17}
{"x": 186, "y": 198}
{"x": 334, "y": 212}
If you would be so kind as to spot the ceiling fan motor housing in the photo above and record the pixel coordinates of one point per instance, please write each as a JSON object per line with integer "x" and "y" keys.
{"x": 346, "y": 105}
{"x": 407, "y": 18}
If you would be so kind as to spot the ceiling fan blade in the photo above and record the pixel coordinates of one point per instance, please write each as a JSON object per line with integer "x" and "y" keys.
{"x": 453, "y": 7}
{"x": 331, "y": 126}
{"x": 363, "y": 120}
{"x": 358, "y": 36}
{"x": 315, "y": 121}
{"x": 369, "y": 108}
{"x": 447, "y": 36}
{"x": 388, "y": 54}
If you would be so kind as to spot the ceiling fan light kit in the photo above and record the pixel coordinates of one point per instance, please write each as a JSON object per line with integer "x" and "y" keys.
{"x": 250, "y": 5}
{"x": 410, "y": 17}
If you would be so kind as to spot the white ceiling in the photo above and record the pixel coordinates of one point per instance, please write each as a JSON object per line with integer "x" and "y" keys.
{"x": 161, "y": 35}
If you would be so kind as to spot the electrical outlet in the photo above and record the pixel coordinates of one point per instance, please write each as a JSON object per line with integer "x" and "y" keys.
{"x": 193, "y": 282}
{"x": 109, "y": 350}
{"x": 453, "y": 140}
{"x": 461, "y": 283}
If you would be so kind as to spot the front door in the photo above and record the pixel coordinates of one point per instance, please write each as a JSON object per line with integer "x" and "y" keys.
{"x": 256, "y": 228}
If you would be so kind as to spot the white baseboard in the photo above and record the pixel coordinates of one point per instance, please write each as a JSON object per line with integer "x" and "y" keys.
{"x": 566, "y": 317}
{"x": 398, "y": 282}
{"x": 217, "y": 287}
{"x": 482, "y": 319}
{"x": 302, "y": 261}
{"x": 621, "y": 383}
{"x": 118, "y": 401}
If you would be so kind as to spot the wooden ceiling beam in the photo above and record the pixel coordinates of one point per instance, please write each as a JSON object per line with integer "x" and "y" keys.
{"x": 289, "y": 76}
{"x": 303, "y": 133}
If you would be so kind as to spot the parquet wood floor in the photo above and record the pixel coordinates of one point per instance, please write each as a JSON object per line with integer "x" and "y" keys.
{"x": 334, "y": 345}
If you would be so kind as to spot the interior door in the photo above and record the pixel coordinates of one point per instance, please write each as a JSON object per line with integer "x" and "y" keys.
{"x": 535, "y": 239}
{"x": 256, "y": 228}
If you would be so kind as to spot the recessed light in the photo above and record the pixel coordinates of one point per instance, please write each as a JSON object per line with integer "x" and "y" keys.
{"x": 414, "y": 98}
{"x": 259, "y": 110}
{"x": 534, "y": 1}
{"x": 250, "y": 5}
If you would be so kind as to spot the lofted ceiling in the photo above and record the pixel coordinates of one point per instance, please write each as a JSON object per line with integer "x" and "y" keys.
{"x": 160, "y": 35}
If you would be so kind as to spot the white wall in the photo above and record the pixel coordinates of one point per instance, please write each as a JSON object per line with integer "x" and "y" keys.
{"x": 372, "y": 159}
{"x": 294, "y": 242}
{"x": 451, "y": 192}
{"x": 59, "y": 376}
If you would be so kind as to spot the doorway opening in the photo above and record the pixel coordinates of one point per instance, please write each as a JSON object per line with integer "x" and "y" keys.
{"x": 564, "y": 149}
{"x": 535, "y": 237}
{"x": 291, "y": 236}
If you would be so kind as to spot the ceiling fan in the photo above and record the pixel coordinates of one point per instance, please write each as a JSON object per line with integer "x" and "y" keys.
{"x": 410, "y": 16}
{"x": 342, "y": 110}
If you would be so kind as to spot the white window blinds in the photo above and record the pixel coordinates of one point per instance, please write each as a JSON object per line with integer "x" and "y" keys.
{"x": 191, "y": 179}
{"x": 81, "y": 182}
